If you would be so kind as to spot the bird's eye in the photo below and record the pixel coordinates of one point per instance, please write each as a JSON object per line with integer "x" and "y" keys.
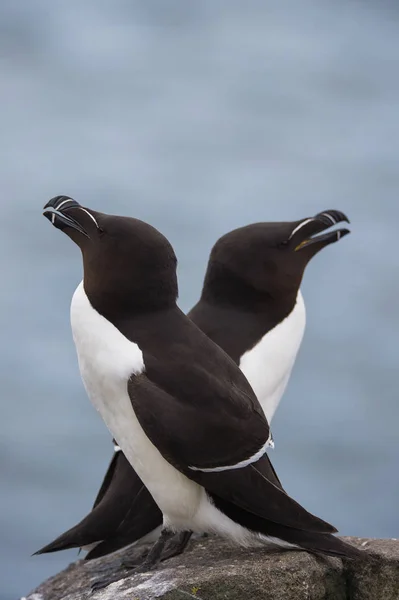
{"x": 282, "y": 244}
{"x": 100, "y": 230}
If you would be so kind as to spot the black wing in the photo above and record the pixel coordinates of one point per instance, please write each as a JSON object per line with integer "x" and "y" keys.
{"x": 109, "y": 475}
{"x": 195, "y": 419}
{"x": 198, "y": 426}
{"x": 257, "y": 490}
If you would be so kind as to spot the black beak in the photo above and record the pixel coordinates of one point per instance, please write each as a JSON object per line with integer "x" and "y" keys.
{"x": 305, "y": 233}
{"x": 53, "y": 211}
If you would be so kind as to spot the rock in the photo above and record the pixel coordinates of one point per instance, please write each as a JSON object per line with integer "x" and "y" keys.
{"x": 212, "y": 570}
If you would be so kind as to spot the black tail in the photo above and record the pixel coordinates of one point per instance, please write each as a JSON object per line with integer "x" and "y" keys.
{"x": 65, "y": 541}
{"x": 116, "y": 464}
{"x": 312, "y": 541}
{"x": 124, "y": 512}
{"x": 323, "y": 543}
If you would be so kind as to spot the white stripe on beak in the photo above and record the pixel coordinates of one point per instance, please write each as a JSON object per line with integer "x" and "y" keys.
{"x": 333, "y": 221}
{"x": 298, "y": 227}
{"x": 64, "y": 202}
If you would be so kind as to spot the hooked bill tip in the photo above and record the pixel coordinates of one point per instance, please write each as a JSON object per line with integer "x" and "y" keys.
{"x": 59, "y": 202}
{"x": 332, "y": 217}
{"x": 342, "y": 233}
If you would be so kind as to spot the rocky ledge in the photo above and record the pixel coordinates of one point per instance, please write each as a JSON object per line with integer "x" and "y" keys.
{"x": 212, "y": 570}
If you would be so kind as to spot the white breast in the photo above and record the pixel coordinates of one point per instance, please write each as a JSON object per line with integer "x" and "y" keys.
{"x": 268, "y": 365}
{"x": 107, "y": 359}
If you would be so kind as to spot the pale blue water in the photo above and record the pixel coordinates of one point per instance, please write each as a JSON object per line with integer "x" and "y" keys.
{"x": 199, "y": 117}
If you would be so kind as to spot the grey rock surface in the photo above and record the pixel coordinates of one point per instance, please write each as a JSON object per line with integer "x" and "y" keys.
{"x": 212, "y": 570}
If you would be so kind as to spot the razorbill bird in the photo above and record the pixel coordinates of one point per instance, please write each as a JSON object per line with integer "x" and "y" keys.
{"x": 178, "y": 406}
{"x": 263, "y": 338}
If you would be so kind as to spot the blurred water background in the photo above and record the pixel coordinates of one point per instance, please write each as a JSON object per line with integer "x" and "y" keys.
{"x": 199, "y": 117}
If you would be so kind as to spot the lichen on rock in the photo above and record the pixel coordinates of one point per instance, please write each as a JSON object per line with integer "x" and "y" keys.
{"x": 213, "y": 570}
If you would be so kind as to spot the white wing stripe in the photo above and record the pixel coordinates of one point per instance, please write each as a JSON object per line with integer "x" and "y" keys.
{"x": 244, "y": 463}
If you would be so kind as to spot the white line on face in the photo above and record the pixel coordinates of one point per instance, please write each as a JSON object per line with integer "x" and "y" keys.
{"x": 90, "y": 215}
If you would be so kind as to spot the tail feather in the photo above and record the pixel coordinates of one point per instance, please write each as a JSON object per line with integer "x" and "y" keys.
{"x": 124, "y": 512}
{"x": 312, "y": 541}
{"x": 116, "y": 463}
{"x": 323, "y": 543}
{"x": 76, "y": 537}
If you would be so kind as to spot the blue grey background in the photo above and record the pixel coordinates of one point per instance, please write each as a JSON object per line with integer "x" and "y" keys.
{"x": 199, "y": 117}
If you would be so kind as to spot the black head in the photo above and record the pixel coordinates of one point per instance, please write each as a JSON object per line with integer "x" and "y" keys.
{"x": 267, "y": 260}
{"x": 128, "y": 265}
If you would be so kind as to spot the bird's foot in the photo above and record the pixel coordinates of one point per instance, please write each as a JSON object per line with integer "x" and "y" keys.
{"x": 132, "y": 563}
{"x": 117, "y": 568}
{"x": 176, "y": 545}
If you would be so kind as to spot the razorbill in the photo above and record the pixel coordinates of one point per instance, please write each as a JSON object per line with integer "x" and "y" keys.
{"x": 181, "y": 410}
{"x": 262, "y": 337}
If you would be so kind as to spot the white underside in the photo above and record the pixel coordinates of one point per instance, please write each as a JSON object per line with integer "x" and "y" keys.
{"x": 91, "y": 547}
{"x": 268, "y": 365}
{"x": 106, "y": 360}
